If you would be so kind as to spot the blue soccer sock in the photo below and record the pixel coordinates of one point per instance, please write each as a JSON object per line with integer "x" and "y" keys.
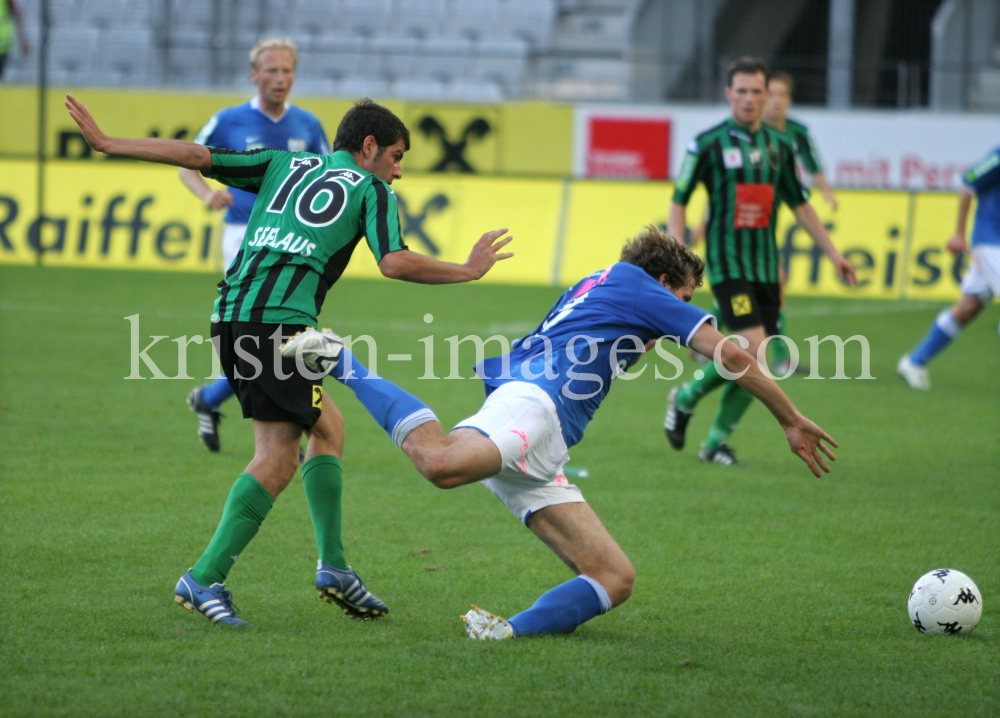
{"x": 396, "y": 411}
{"x": 215, "y": 393}
{"x": 563, "y": 608}
{"x": 942, "y": 331}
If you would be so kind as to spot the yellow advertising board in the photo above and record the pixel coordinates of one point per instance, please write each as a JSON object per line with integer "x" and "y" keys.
{"x": 932, "y": 272}
{"x": 532, "y": 138}
{"x": 132, "y": 215}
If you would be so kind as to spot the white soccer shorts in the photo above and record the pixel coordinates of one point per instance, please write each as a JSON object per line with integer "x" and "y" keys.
{"x": 983, "y": 277}
{"x": 232, "y": 240}
{"x": 522, "y": 421}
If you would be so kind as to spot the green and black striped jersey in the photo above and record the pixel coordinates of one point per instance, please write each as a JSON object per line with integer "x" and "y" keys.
{"x": 805, "y": 148}
{"x": 745, "y": 173}
{"x": 311, "y": 211}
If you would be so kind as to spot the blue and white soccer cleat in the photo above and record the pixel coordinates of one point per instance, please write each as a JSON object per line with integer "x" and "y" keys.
{"x": 482, "y": 625}
{"x": 215, "y": 603}
{"x": 347, "y": 590}
{"x": 208, "y": 420}
{"x": 320, "y": 350}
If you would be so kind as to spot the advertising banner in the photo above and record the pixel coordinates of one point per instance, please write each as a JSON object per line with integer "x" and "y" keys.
{"x": 509, "y": 138}
{"x": 916, "y": 150}
{"x": 132, "y": 215}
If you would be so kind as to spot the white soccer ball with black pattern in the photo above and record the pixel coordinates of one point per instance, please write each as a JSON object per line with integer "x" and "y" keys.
{"x": 945, "y": 601}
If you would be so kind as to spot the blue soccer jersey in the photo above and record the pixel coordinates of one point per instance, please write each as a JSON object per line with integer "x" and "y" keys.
{"x": 983, "y": 180}
{"x": 246, "y": 127}
{"x": 569, "y": 355}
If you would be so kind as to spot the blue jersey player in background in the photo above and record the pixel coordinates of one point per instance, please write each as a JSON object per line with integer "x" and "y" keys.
{"x": 981, "y": 283}
{"x": 540, "y": 398}
{"x": 266, "y": 121}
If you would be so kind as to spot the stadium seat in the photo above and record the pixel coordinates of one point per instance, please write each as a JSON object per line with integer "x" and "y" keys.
{"x": 339, "y": 44}
{"x": 364, "y": 17}
{"x": 62, "y": 13}
{"x": 71, "y": 50}
{"x": 417, "y": 89}
{"x": 189, "y": 66}
{"x": 357, "y": 87}
{"x": 314, "y": 17}
{"x": 422, "y": 18}
{"x": 130, "y": 52}
{"x": 397, "y": 53}
{"x": 530, "y": 19}
{"x": 504, "y": 61}
{"x": 475, "y": 18}
{"x": 327, "y": 65}
{"x": 101, "y": 14}
{"x": 191, "y": 14}
{"x": 316, "y": 87}
{"x": 473, "y": 91}
{"x": 444, "y": 56}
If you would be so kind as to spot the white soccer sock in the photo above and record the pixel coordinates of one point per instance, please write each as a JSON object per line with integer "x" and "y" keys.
{"x": 946, "y": 323}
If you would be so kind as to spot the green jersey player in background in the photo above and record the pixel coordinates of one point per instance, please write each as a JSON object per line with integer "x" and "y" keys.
{"x": 310, "y": 214}
{"x": 747, "y": 168}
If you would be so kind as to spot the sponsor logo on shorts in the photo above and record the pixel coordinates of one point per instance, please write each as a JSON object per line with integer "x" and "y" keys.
{"x": 522, "y": 462}
{"x": 317, "y": 397}
{"x": 741, "y": 305}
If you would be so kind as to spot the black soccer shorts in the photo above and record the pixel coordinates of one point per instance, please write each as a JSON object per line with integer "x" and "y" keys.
{"x": 749, "y": 304}
{"x": 252, "y": 360}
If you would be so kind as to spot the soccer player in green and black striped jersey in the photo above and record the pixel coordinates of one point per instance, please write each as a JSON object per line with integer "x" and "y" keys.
{"x": 747, "y": 168}
{"x": 310, "y": 214}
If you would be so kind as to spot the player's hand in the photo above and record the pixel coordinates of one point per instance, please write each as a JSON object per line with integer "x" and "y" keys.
{"x": 957, "y": 246}
{"x": 831, "y": 199}
{"x": 486, "y": 252}
{"x": 845, "y": 270}
{"x": 806, "y": 441}
{"x": 218, "y": 199}
{"x": 88, "y": 127}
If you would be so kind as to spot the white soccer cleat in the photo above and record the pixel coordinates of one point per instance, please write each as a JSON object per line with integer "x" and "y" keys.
{"x": 482, "y": 625}
{"x": 319, "y": 350}
{"x": 915, "y": 376}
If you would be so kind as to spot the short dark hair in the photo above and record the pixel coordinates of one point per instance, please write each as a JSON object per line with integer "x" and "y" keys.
{"x": 782, "y": 76}
{"x": 657, "y": 253}
{"x": 748, "y": 66}
{"x": 369, "y": 118}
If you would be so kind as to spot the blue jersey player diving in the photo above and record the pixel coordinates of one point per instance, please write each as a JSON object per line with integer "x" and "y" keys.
{"x": 981, "y": 283}
{"x": 541, "y": 396}
{"x": 266, "y": 121}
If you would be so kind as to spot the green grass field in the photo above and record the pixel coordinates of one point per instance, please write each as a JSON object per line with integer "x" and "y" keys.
{"x": 761, "y": 591}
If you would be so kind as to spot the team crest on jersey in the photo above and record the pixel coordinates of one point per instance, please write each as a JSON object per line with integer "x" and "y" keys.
{"x": 732, "y": 158}
{"x": 741, "y": 305}
{"x": 772, "y": 156}
{"x": 755, "y": 158}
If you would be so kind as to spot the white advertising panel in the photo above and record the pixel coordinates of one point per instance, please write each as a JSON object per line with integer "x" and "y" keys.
{"x": 865, "y": 149}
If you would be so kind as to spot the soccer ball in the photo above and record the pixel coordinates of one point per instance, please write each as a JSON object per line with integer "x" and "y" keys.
{"x": 945, "y": 601}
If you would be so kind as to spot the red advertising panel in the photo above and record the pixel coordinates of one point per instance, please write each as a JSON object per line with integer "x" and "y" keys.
{"x": 636, "y": 148}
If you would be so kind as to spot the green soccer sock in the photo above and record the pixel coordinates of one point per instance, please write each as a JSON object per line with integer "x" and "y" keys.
{"x": 778, "y": 347}
{"x": 245, "y": 510}
{"x": 692, "y": 392}
{"x": 735, "y": 402}
{"x": 323, "y": 479}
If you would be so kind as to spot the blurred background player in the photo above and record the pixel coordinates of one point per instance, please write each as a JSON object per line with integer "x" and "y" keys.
{"x": 746, "y": 168}
{"x": 11, "y": 20}
{"x": 780, "y": 88}
{"x": 265, "y": 121}
{"x": 981, "y": 282}
{"x": 540, "y": 399}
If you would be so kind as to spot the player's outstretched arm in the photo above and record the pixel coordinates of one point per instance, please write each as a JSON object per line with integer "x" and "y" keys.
{"x": 414, "y": 267}
{"x": 153, "y": 149}
{"x": 804, "y": 437}
{"x": 809, "y": 221}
